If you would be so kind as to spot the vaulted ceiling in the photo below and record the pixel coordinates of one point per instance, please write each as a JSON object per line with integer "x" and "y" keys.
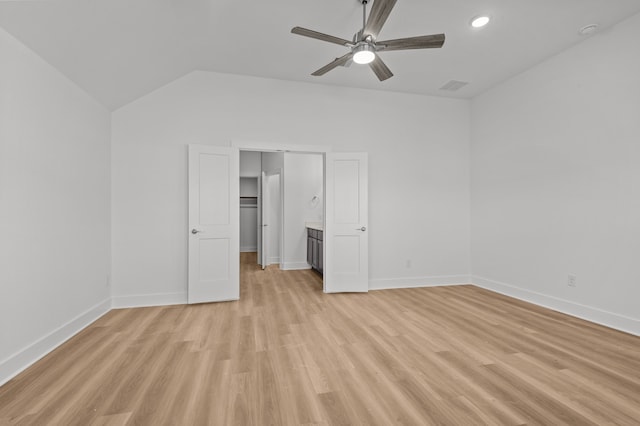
{"x": 119, "y": 50}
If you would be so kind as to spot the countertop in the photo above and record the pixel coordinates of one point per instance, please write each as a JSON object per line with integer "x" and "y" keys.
{"x": 318, "y": 226}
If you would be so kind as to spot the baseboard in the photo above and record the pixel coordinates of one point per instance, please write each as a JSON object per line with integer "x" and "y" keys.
{"x": 248, "y": 249}
{"x": 273, "y": 260}
{"x": 411, "y": 282}
{"x": 589, "y": 313}
{"x": 294, "y": 266}
{"x": 146, "y": 300}
{"x": 20, "y": 361}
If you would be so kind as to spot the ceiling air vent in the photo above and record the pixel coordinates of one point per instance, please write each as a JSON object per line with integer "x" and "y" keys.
{"x": 454, "y": 85}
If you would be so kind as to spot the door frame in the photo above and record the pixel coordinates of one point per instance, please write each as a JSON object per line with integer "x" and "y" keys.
{"x": 279, "y": 147}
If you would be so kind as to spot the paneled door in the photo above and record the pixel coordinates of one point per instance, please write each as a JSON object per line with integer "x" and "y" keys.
{"x": 214, "y": 224}
{"x": 346, "y": 234}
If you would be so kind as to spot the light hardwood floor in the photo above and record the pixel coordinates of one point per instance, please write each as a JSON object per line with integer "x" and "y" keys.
{"x": 287, "y": 354}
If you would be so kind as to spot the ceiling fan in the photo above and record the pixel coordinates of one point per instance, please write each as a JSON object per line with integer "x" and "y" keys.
{"x": 365, "y": 45}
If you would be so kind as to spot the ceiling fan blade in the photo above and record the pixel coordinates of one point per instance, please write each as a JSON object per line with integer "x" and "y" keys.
{"x": 420, "y": 42}
{"x": 380, "y": 69}
{"x": 378, "y": 16}
{"x": 336, "y": 63}
{"x": 320, "y": 36}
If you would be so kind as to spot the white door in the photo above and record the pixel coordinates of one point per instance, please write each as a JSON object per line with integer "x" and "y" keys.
{"x": 259, "y": 224}
{"x": 214, "y": 224}
{"x": 264, "y": 184}
{"x": 346, "y": 233}
{"x": 274, "y": 230}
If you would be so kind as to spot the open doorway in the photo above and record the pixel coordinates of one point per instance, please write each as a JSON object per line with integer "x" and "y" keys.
{"x": 286, "y": 195}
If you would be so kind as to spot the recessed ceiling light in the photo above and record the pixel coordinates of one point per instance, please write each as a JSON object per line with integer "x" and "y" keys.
{"x": 480, "y": 21}
{"x": 588, "y": 29}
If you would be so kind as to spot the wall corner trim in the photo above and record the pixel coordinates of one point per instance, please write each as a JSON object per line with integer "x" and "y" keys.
{"x": 588, "y": 313}
{"x": 20, "y": 361}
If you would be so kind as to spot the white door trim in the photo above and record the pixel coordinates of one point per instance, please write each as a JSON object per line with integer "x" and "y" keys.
{"x": 279, "y": 147}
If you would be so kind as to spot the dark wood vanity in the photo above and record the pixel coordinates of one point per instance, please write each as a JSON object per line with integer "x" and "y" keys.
{"x": 314, "y": 248}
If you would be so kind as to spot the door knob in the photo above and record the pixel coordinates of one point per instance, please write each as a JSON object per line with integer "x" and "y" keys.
{"x": 195, "y": 231}
{"x": 361, "y": 229}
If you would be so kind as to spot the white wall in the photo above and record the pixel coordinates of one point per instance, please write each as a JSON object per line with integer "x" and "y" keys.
{"x": 248, "y": 228}
{"x": 272, "y": 161}
{"x": 248, "y": 187}
{"x": 303, "y": 179}
{"x": 54, "y": 207}
{"x": 418, "y": 160}
{"x": 556, "y": 181}
{"x": 250, "y": 163}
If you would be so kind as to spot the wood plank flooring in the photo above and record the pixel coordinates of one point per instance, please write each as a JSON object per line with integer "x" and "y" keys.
{"x": 287, "y": 354}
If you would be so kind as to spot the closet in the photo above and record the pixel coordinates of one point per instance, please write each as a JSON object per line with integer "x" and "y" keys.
{"x": 248, "y": 214}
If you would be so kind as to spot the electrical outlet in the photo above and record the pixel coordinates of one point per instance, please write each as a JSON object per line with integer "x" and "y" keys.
{"x": 571, "y": 281}
{"x": 408, "y": 264}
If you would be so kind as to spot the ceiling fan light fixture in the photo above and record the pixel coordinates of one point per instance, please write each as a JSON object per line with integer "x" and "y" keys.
{"x": 363, "y": 54}
{"x": 480, "y": 21}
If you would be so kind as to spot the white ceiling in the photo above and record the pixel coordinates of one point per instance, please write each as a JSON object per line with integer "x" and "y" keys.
{"x": 119, "y": 50}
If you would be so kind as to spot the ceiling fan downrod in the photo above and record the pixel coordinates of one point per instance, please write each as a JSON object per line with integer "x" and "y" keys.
{"x": 364, "y": 14}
